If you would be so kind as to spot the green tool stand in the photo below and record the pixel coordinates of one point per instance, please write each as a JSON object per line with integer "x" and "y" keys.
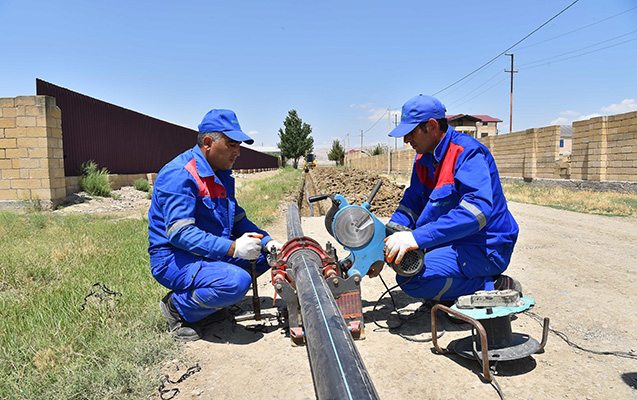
{"x": 494, "y": 340}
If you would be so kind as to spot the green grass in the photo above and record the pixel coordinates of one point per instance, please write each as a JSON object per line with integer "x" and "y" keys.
{"x": 261, "y": 198}
{"x": 112, "y": 349}
{"x": 584, "y": 201}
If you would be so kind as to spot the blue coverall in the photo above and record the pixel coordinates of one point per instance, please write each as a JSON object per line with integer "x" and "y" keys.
{"x": 458, "y": 212}
{"x": 192, "y": 221}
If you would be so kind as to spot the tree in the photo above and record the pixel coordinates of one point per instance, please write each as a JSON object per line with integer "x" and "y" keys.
{"x": 337, "y": 153}
{"x": 295, "y": 139}
{"x": 379, "y": 149}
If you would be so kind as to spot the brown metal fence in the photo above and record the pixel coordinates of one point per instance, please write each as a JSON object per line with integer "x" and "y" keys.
{"x": 124, "y": 141}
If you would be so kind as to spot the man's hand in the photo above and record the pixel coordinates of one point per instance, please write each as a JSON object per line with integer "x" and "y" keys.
{"x": 248, "y": 246}
{"x": 273, "y": 246}
{"x": 397, "y": 244}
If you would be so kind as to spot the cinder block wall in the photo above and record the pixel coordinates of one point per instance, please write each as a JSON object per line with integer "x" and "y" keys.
{"x": 31, "y": 156}
{"x": 605, "y": 148}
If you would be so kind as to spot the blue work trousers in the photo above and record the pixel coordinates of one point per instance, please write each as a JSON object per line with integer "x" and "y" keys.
{"x": 456, "y": 270}
{"x": 202, "y": 286}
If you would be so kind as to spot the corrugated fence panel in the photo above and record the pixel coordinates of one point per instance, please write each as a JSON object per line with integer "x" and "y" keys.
{"x": 124, "y": 141}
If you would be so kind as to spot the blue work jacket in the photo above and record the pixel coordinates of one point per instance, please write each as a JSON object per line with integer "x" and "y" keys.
{"x": 455, "y": 197}
{"x": 194, "y": 209}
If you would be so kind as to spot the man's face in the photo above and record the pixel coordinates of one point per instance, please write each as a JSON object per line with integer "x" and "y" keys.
{"x": 221, "y": 154}
{"x": 423, "y": 141}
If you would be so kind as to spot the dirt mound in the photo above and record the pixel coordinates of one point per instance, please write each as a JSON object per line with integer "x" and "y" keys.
{"x": 356, "y": 186}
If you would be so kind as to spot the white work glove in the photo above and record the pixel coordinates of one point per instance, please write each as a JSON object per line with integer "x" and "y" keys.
{"x": 273, "y": 243}
{"x": 397, "y": 244}
{"x": 248, "y": 246}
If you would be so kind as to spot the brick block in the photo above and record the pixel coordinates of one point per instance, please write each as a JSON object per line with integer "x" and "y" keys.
{"x": 8, "y": 194}
{"x": 10, "y": 173}
{"x": 14, "y": 132}
{"x": 26, "y": 163}
{"x": 8, "y": 143}
{"x": 36, "y": 131}
{"x": 39, "y": 173}
{"x": 9, "y": 113}
{"x": 55, "y": 112}
{"x": 26, "y": 184}
{"x": 7, "y": 102}
{"x": 25, "y": 101}
{"x": 7, "y": 123}
{"x": 26, "y": 142}
{"x": 39, "y": 153}
{"x": 25, "y": 121}
{"x": 16, "y": 153}
{"x": 35, "y": 111}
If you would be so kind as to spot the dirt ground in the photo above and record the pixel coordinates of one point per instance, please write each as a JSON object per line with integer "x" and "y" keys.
{"x": 579, "y": 268}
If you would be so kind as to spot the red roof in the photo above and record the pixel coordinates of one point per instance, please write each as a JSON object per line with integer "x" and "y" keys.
{"x": 483, "y": 118}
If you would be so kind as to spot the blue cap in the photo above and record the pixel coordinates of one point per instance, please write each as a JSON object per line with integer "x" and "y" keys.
{"x": 416, "y": 110}
{"x": 224, "y": 121}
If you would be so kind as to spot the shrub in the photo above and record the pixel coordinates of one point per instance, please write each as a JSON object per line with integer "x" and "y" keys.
{"x": 95, "y": 181}
{"x": 142, "y": 185}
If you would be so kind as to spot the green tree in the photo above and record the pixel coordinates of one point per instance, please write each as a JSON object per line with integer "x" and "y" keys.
{"x": 295, "y": 139}
{"x": 378, "y": 149}
{"x": 337, "y": 152}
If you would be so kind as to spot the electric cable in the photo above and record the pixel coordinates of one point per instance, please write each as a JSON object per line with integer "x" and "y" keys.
{"x": 575, "y": 30}
{"x": 565, "y": 338}
{"x": 426, "y": 306}
{"x": 496, "y": 57}
{"x": 583, "y": 54}
{"x": 478, "y": 87}
{"x": 583, "y": 48}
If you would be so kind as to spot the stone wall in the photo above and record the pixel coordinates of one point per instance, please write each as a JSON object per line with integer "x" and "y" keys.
{"x": 31, "y": 156}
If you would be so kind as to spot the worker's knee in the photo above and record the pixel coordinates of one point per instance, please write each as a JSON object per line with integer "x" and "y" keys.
{"x": 224, "y": 292}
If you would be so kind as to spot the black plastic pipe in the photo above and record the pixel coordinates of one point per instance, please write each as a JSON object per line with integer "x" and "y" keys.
{"x": 337, "y": 368}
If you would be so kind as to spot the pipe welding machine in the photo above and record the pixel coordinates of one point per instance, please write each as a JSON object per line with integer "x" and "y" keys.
{"x": 360, "y": 233}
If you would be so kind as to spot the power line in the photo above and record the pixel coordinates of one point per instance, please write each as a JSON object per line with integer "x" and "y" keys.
{"x": 575, "y": 51}
{"x": 381, "y": 117}
{"x": 575, "y": 30}
{"x": 583, "y": 54}
{"x": 496, "y": 57}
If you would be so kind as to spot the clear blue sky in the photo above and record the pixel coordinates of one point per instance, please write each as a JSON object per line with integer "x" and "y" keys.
{"x": 340, "y": 64}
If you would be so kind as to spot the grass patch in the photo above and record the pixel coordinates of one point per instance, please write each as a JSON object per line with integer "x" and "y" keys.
{"x": 64, "y": 337}
{"x": 261, "y": 198}
{"x": 583, "y": 201}
{"x": 50, "y": 347}
{"x": 142, "y": 185}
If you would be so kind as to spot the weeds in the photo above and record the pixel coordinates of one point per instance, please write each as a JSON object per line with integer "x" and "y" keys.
{"x": 95, "y": 181}
{"x": 142, "y": 185}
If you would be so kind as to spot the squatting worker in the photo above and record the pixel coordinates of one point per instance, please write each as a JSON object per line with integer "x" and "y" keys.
{"x": 201, "y": 242}
{"x": 455, "y": 207}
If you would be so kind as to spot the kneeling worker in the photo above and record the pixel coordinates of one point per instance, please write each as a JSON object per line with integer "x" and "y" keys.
{"x": 455, "y": 208}
{"x": 201, "y": 242}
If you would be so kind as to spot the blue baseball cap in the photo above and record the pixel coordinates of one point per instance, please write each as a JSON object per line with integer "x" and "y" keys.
{"x": 416, "y": 110}
{"x": 224, "y": 121}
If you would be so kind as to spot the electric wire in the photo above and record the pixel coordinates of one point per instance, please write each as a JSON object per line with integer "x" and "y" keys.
{"x": 484, "y": 91}
{"x": 575, "y": 30}
{"x": 583, "y": 54}
{"x": 478, "y": 87}
{"x": 496, "y": 57}
{"x": 565, "y": 338}
{"x": 583, "y": 48}
{"x": 404, "y": 318}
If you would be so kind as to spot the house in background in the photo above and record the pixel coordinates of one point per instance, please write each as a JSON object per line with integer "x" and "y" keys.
{"x": 476, "y": 126}
{"x": 566, "y": 139}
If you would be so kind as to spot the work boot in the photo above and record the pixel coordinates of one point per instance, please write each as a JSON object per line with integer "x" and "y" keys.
{"x": 182, "y": 330}
{"x": 503, "y": 282}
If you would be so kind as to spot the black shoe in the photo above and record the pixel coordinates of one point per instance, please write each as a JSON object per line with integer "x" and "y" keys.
{"x": 182, "y": 330}
{"x": 504, "y": 282}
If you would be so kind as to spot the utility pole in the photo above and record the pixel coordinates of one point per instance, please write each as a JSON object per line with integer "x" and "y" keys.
{"x": 511, "y": 111}
{"x": 389, "y": 140}
{"x": 361, "y": 140}
{"x": 395, "y": 139}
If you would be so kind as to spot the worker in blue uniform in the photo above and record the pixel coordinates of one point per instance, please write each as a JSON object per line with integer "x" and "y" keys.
{"x": 201, "y": 242}
{"x": 455, "y": 208}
